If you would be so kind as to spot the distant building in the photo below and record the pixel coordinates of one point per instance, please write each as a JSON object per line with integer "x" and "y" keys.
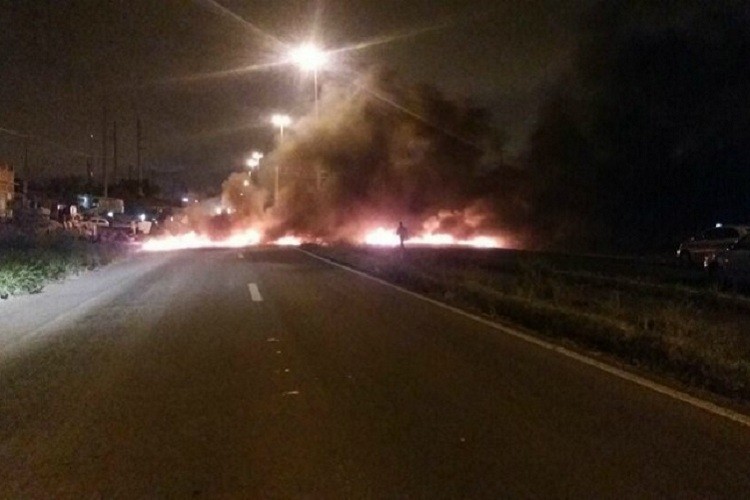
{"x": 6, "y": 190}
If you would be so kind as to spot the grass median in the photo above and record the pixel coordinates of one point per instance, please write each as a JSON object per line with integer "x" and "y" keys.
{"x": 28, "y": 262}
{"x": 689, "y": 331}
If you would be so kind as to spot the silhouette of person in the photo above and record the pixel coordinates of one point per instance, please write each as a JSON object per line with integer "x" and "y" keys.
{"x": 402, "y": 233}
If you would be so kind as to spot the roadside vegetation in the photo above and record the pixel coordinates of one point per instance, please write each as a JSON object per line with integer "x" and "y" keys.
{"x": 28, "y": 261}
{"x": 672, "y": 321}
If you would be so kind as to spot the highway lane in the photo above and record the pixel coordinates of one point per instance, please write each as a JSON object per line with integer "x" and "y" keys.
{"x": 268, "y": 374}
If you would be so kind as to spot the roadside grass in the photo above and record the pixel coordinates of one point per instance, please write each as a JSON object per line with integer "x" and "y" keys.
{"x": 689, "y": 331}
{"x": 28, "y": 262}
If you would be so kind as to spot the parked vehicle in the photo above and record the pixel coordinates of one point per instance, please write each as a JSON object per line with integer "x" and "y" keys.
{"x": 733, "y": 265}
{"x": 104, "y": 205}
{"x": 124, "y": 221}
{"x": 99, "y": 221}
{"x": 701, "y": 250}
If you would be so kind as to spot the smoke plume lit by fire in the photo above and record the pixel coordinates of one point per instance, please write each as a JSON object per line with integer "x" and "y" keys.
{"x": 380, "y": 152}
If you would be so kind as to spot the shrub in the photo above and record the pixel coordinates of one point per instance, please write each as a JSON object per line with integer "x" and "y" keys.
{"x": 28, "y": 262}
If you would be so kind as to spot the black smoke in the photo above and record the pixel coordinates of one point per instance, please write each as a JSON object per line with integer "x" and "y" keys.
{"x": 382, "y": 151}
{"x": 644, "y": 139}
{"x": 647, "y": 137}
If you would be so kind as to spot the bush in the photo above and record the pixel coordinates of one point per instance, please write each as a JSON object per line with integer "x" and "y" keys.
{"x": 28, "y": 262}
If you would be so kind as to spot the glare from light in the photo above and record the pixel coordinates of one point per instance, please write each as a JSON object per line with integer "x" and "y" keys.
{"x": 142, "y": 217}
{"x": 281, "y": 120}
{"x": 388, "y": 238}
{"x": 252, "y": 162}
{"x": 110, "y": 214}
{"x": 246, "y": 183}
{"x": 290, "y": 241}
{"x": 257, "y": 155}
{"x": 185, "y": 199}
{"x": 193, "y": 240}
{"x": 381, "y": 237}
{"x": 309, "y": 57}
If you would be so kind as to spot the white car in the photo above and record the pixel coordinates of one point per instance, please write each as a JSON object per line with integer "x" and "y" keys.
{"x": 733, "y": 265}
{"x": 99, "y": 221}
{"x": 702, "y": 249}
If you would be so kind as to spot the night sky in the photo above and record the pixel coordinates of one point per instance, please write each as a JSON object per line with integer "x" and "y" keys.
{"x": 63, "y": 59}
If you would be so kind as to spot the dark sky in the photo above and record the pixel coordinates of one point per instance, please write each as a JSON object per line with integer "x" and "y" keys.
{"x": 62, "y": 59}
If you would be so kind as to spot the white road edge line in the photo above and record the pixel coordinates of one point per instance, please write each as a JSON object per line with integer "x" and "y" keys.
{"x": 254, "y": 292}
{"x": 612, "y": 370}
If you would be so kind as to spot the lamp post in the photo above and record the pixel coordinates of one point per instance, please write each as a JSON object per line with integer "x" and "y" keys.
{"x": 310, "y": 58}
{"x": 254, "y": 161}
{"x": 280, "y": 121}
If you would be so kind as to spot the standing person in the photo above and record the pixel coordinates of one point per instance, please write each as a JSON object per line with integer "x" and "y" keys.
{"x": 402, "y": 233}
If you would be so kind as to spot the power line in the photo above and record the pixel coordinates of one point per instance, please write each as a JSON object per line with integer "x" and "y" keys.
{"x": 44, "y": 140}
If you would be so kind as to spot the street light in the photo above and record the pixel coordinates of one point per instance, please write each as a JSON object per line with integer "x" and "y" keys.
{"x": 254, "y": 159}
{"x": 280, "y": 121}
{"x": 310, "y": 58}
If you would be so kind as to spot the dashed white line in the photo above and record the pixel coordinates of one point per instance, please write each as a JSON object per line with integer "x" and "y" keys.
{"x": 254, "y": 292}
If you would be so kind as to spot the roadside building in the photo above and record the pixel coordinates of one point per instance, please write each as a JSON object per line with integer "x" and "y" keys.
{"x": 6, "y": 190}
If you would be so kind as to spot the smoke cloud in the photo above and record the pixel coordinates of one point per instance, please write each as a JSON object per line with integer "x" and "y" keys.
{"x": 645, "y": 139}
{"x": 381, "y": 152}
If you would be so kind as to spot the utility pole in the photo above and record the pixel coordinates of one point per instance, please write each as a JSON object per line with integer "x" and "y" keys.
{"x": 90, "y": 161}
{"x": 105, "y": 179}
{"x": 26, "y": 158}
{"x": 114, "y": 152}
{"x": 138, "y": 135}
{"x": 26, "y": 173}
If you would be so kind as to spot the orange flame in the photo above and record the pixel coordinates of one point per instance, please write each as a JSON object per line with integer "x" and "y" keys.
{"x": 429, "y": 235}
{"x": 252, "y": 237}
{"x": 193, "y": 240}
{"x": 383, "y": 237}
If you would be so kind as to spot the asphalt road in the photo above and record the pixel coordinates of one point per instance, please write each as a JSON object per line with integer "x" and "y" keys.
{"x": 270, "y": 374}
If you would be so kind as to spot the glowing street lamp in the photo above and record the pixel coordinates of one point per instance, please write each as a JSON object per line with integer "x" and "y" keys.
{"x": 310, "y": 58}
{"x": 281, "y": 121}
{"x": 254, "y": 161}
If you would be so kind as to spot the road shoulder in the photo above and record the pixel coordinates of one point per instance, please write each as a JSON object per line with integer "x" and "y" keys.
{"x": 703, "y": 400}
